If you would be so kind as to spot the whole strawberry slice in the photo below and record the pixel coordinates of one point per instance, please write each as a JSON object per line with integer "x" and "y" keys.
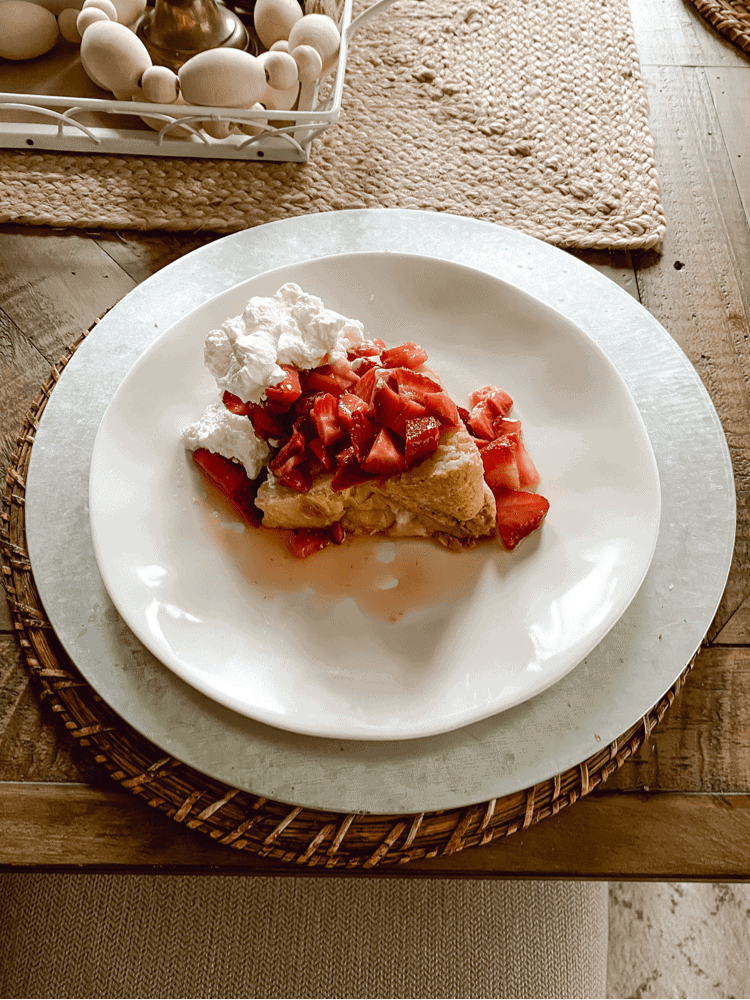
{"x": 518, "y": 514}
{"x": 231, "y": 479}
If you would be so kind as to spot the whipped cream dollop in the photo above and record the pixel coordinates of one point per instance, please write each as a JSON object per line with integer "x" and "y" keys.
{"x": 227, "y": 434}
{"x": 291, "y": 327}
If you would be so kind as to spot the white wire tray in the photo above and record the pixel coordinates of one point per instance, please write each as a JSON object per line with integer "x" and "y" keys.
{"x": 71, "y": 118}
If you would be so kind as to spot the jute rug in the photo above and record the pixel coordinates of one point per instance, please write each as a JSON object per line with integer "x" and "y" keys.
{"x": 528, "y": 114}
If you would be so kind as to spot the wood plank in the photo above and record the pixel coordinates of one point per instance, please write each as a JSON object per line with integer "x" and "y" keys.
{"x": 142, "y": 254}
{"x": 703, "y": 742}
{"x": 736, "y": 632}
{"x": 699, "y": 288}
{"x": 729, "y": 88}
{"x": 669, "y": 33}
{"x": 56, "y": 283}
{"x": 614, "y": 836}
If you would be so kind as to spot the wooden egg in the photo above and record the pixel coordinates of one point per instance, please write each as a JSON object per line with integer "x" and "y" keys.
{"x": 321, "y": 33}
{"x": 88, "y": 17}
{"x": 66, "y": 21}
{"x": 106, "y": 5}
{"x": 56, "y": 6}
{"x": 280, "y": 70}
{"x": 160, "y": 85}
{"x": 309, "y": 64}
{"x": 222, "y": 78}
{"x": 114, "y": 57}
{"x": 273, "y": 19}
{"x": 26, "y": 30}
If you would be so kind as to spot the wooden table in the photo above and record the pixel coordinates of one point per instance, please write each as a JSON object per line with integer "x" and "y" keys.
{"x": 680, "y": 808}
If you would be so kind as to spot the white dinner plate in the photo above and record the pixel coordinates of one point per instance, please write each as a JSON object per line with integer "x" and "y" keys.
{"x": 377, "y": 640}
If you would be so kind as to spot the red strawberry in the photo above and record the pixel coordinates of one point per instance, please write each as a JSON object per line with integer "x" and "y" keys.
{"x": 422, "y": 439}
{"x": 416, "y": 385}
{"x": 281, "y": 396}
{"x": 499, "y": 460}
{"x": 385, "y": 457}
{"x": 440, "y": 405}
{"x": 408, "y": 355}
{"x": 502, "y": 426}
{"x": 362, "y": 433}
{"x": 231, "y": 480}
{"x": 266, "y": 425}
{"x": 348, "y": 404}
{"x": 481, "y": 420}
{"x": 320, "y": 452}
{"x": 344, "y": 374}
{"x": 349, "y": 471}
{"x": 527, "y": 471}
{"x": 518, "y": 514}
{"x": 368, "y": 349}
{"x": 325, "y": 416}
{"x": 322, "y": 379}
{"x": 499, "y": 400}
{"x": 369, "y": 382}
{"x": 235, "y": 405}
{"x": 393, "y": 409}
{"x": 304, "y": 541}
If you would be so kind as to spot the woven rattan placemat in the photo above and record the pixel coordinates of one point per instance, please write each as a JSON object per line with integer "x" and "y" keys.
{"x": 531, "y": 115}
{"x": 234, "y": 817}
{"x": 731, "y": 18}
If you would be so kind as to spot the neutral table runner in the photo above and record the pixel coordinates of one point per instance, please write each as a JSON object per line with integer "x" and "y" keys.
{"x": 525, "y": 113}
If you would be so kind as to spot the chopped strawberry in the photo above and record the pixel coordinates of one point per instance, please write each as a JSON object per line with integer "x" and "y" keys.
{"x": 440, "y": 405}
{"x": 322, "y": 379}
{"x": 499, "y": 460}
{"x": 393, "y": 409}
{"x": 362, "y": 433}
{"x": 369, "y": 382}
{"x": 502, "y": 426}
{"x": 344, "y": 374}
{"x": 281, "y": 396}
{"x": 481, "y": 420}
{"x": 266, "y": 425}
{"x": 304, "y": 541}
{"x": 348, "y": 404}
{"x": 518, "y": 514}
{"x": 408, "y": 355}
{"x": 499, "y": 400}
{"x": 368, "y": 349}
{"x": 527, "y": 471}
{"x": 416, "y": 385}
{"x": 235, "y": 405}
{"x": 422, "y": 439}
{"x": 464, "y": 415}
{"x": 288, "y": 464}
{"x": 231, "y": 480}
{"x": 363, "y": 365}
{"x": 321, "y": 453}
{"x": 337, "y": 534}
{"x": 325, "y": 416}
{"x": 385, "y": 457}
{"x": 349, "y": 471}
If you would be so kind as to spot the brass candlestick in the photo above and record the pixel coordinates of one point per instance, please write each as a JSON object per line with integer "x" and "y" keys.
{"x": 175, "y": 30}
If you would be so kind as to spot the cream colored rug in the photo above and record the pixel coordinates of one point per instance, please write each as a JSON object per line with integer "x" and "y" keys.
{"x": 530, "y": 115}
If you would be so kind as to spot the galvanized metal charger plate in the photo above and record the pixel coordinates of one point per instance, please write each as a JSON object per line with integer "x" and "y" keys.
{"x": 361, "y": 803}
